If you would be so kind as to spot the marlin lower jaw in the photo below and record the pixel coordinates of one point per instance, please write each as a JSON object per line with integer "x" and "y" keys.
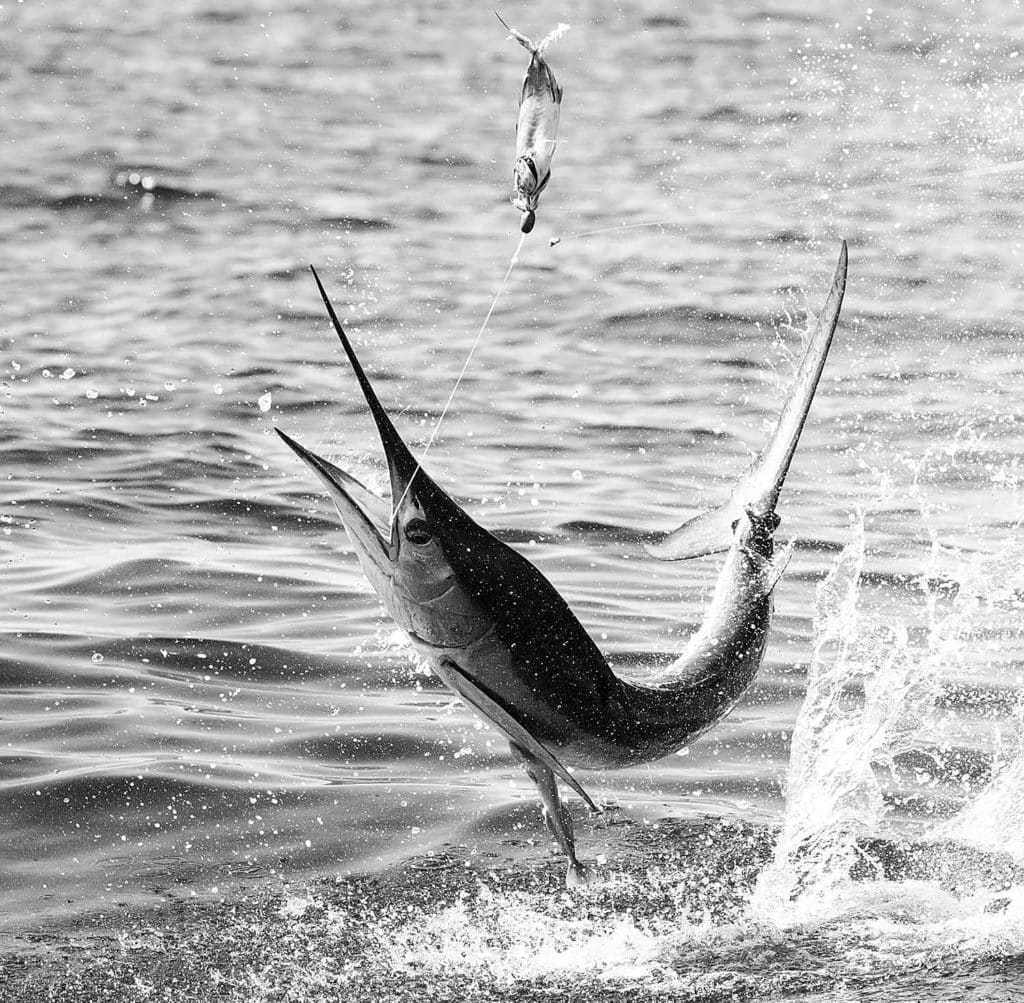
{"x": 373, "y": 553}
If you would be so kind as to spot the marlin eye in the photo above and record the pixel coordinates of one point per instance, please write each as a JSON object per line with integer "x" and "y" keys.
{"x": 418, "y": 532}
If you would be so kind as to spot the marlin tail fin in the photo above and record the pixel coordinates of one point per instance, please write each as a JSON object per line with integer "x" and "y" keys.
{"x": 758, "y": 489}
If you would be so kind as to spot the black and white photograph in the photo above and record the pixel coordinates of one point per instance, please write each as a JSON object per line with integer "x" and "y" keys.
{"x": 512, "y": 503}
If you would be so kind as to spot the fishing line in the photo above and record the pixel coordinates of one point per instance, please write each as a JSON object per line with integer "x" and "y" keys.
{"x": 935, "y": 178}
{"x": 465, "y": 367}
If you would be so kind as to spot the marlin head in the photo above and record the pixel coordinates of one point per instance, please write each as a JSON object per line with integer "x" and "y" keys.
{"x": 404, "y": 548}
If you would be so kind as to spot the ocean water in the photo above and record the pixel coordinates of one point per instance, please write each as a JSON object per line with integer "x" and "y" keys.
{"x": 199, "y": 693}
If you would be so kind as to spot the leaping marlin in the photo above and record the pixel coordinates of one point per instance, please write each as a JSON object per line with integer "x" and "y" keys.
{"x": 499, "y": 635}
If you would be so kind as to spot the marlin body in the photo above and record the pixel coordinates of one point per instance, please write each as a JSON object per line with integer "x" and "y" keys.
{"x": 540, "y": 104}
{"x": 500, "y": 636}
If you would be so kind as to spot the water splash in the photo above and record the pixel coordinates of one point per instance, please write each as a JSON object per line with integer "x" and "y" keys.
{"x": 874, "y": 694}
{"x": 832, "y": 794}
{"x": 510, "y": 937}
{"x": 993, "y": 820}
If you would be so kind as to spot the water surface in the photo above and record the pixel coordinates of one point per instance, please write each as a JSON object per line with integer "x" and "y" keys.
{"x": 200, "y": 690}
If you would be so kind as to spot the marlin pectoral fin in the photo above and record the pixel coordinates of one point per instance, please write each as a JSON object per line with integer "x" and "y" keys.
{"x": 457, "y": 680}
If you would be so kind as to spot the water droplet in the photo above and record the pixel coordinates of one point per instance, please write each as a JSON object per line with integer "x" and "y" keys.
{"x": 67, "y": 374}
{"x": 97, "y": 657}
{"x": 265, "y": 402}
{"x": 577, "y": 475}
